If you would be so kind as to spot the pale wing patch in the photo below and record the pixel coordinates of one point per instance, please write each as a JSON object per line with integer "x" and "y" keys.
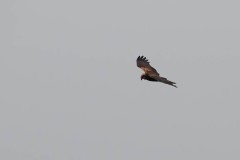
{"x": 148, "y": 70}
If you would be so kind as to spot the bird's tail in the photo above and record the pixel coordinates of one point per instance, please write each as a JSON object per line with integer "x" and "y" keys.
{"x": 166, "y": 81}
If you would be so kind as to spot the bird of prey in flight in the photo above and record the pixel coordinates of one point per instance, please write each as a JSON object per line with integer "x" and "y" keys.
{"x": 150, "y": 73}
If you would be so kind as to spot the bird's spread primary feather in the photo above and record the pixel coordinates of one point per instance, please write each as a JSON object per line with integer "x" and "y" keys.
{"x": 143, "y": 63}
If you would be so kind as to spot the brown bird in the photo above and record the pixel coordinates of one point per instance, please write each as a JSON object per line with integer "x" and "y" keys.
{"x": 150, "y": 73}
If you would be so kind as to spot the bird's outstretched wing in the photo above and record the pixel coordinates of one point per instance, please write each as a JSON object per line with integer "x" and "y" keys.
{"x": 163, "y": 80}
{"x": 143, "y": 63}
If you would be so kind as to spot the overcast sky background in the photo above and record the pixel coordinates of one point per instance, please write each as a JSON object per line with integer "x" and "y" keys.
{"x": 70, "y": 88}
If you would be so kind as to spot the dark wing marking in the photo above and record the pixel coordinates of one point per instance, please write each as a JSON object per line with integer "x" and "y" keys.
{"x": 143, "y": 63}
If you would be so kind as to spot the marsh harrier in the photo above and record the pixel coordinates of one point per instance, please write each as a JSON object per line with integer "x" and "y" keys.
{"x": 150, "y": 73}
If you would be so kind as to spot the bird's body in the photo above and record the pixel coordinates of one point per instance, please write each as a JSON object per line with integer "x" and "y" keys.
{"x": 151, "y": 73}
{"x": 147, "y": 77}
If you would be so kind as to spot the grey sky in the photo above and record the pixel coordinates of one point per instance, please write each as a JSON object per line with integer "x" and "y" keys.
{"x": 70, "y": 88}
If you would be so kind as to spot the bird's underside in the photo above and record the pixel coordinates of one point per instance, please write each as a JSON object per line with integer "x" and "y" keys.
{"x": 160, "y": 79}
{"x": 151, "y": 73}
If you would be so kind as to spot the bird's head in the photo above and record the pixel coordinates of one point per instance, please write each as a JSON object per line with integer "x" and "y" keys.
{"x": 143, "y": 76}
